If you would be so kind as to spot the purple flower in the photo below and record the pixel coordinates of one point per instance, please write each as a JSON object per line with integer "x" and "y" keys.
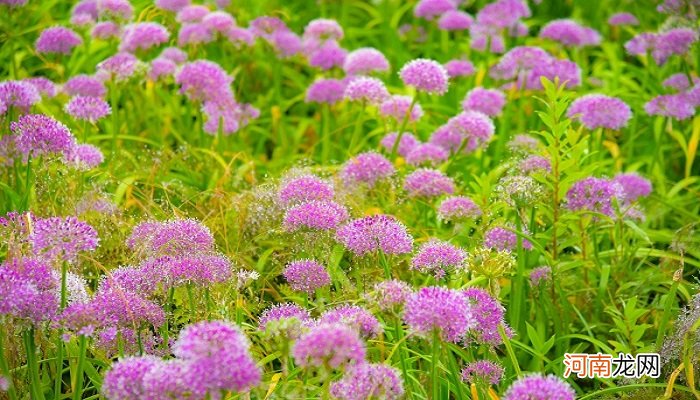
{"x": 677, "y": 106}
{"x": 218, "y": 357}
{"x": 673, "y": 42}
{"x": 458, "y": 208}
{"x": 425, "y": 75}
{"x": 203, "y": 269}
{"x": 392, "y": 294}
{"x": 172, "y": 5}
{"x": 488, "y": 314}
{"x": 64, "y": 237}
{"x": 473, "y": 130}
{"x": 124, "y": 381}
{"x": 45, "y": 86}
{"x": 503, "y": 13}
{"x": 622, "y": 18}
{"x": 406, "y": 143}
{"x": 434, "y": 308}
{"x": 633, "y": 187}
{"x": 161, "y": 67}
{"x": 378, "y": 232}
{"x": 568, "y": 73}
{"x": 323, "y": 29}
{"x": 174, "y": 54}
{"x": 119, "y": 9}
{"x": 355, "y": 317}
{"x": 28, "y": 290}
{"x": 518, "y": 62}
{"x": 226, "y": 116}
{"x": 483, "y": 371}
{"x": 429, "y": 9}
{"x": 397, "y": 107}
{"x": 367, "y": 168}
{"x": 538, "y": 387}
{"x": 304, "y": 188}
{"x": 570, "y": 33}
{"x": 84, "y": 156}
{"x": 84, "y": 85}
{"x": 641, "y": 43}
{"x": 679, "y": 81}
{"x": 428, "y": 183}
{"x": 437, "y": 257}
{"x": 369, "y": 381}
{"x": 500, "y": 238}
{"x": 265, "y": 26}
{"x": 364, "y": 61}
{"x": 593, "y": 195}
{"x": 287, "y": 43}
{"x": 219, "y": 21}
{"x": 427, "y": 153}
{"x": 182, "y": 236}
{"x": 38, "y": 135}
{"x": 540, "y": 275}
{"x": 19, "y": 94}
{"x": 483, "y": 35}
{"x": 455, "y": 20}
{"x": 57, "y": 40}
{"x": 143, "y": 36}
{"x": 315, "y": 215}
{"x": 600, "y": 111}
{"x": 328, "y": 91}
{"x": 85, "y": 108}
{"x": 193, "y": 34}
{"x": 203, "y": 80}
{"x": 286, "y": 319}
{"x": 120, "y": 66}
{"x": 366, "y": 90}
{"x": 105, "y": 30}
{"x": 534, "y": 164}
{"x": 335, "y": 346}
{"x": 192, "y": 13}
{"x": 487, "y": 101}
{"x": 173, "y": 379}
{"x": 306, "y": 276}
{"x": 456, "y": 68}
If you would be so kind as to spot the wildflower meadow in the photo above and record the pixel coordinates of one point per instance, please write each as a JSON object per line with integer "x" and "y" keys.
{"x": 349, "y": 199}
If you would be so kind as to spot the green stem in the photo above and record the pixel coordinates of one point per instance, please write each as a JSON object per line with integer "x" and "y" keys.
{"x": 517, "y": 289}
{"x": 4, "y": 367}
{"x": 399, "y": 134}
{"x": 78, "y": 392}
{"x": 325, "y": 132}
{"x": 509, "y": 350}
{"x": 58, "y": 381}
{"x": 32, "y": 366}
{"x": 358, "y": 129}
{"x": 398, "y": 332}
{"x": 434, "y": 364}
{"x": 193, "y": 307}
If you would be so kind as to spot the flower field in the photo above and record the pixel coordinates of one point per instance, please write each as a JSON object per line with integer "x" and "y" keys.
{"x": 316, "y": 199}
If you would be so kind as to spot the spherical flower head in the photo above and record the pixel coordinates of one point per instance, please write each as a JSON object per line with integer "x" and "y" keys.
{"x": 120, "y": 66}
{"x": 134, "y": 279}
{"x": 406, "y": 143}
{"x": 203, "y": 80}
{"x": 503, "y": 13}
{"x": 519, "y": 190}
{"x": 458, "y": 208}
{"x": 397, "y": 107}
{"x": 306, "y": 276}
{"x": 428, "y": 183}
{"x": 45, "y": 86}
{"x": 161, "y": 67}
{"x": 623, "y": 18}
{"x": 203, "y": 269}
{"x": 437, "y": 257}
{"x": 475, "y": 127}
{"x": 438, "y": 309}
{"x": 457, "y": 68}
{"x": 366, "y": 90}
{"x": 192, "y": 13}
{"x": 673, "y": 42}
{"x": 175, "y": 54}
{"x": 13, "y": 3}
{"x": 364, "y": 61}
{"x": 124, "y": 381}
{"x": 633, "y": 187}
{"x": 390, "y": 295}
{"x": 143, "y": 36}
{"x": 378, "y": 232}
{"x": 518, "y": 61}
{"x": 425, "y": 75}
{"x": 286, "y": 43}
{"x": 181, "y": 236}
{"x": 84, "y": 108}
{"x": 368, "y": 168}
{"x": 538, "y": 387}
{"x": 39, "y": 134}
{"x": 488, "y": 314}
{"x": 600, "y": 111}
{"x": 369, "y": 381}
{"x": 486, "y": 37}
{"x": 315, "y": 215}
{"x": 64, "y": 237}
{"x": 172, "y": 5}
{"x": 487, "y": 101}
{"x": 173, "y": 379}
{"x": 304, "y": 188}
{"x": 483, "y": 371}
{"x": 455, "y": 20}
{"x": 427, "y": 154}
{"x": 226, "y": 116}
{"x": 19, "y": 94}
{"x": 193, "y": 34}
{"x": 641, "y": 43}
{"x": 570, "y": 33}
{"x": 430, "y": 9}
{"x": 265, "y": 26}
{"x": 567, "y": 72}
{"x": 118, "y": 9}
{"x": 593, "y": 195}
{"x": 4, "y": 383}
{"x": 286, "y": 320}
{"x": 534, "y": 164}
{"x": 218, "y": 354}
{"x": 28, "y": 290}
{"x": 677, "y": 106}
{"x": 329, "y": 91}
{"x": 219, "y": 21}
{"x": 355, "y": 317}
{"x": 105, "y": 30}
{"x": 500, "y": 238}
{"x": 58, "y": 40}
{"x": 679, "y": 82}
{"x": 84, "y": 156}
{"x": 84, "y": 85}
{"x": 323, "y": 29}
{"x": 332, "y": 346}
{"x": 540, "y": 275}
